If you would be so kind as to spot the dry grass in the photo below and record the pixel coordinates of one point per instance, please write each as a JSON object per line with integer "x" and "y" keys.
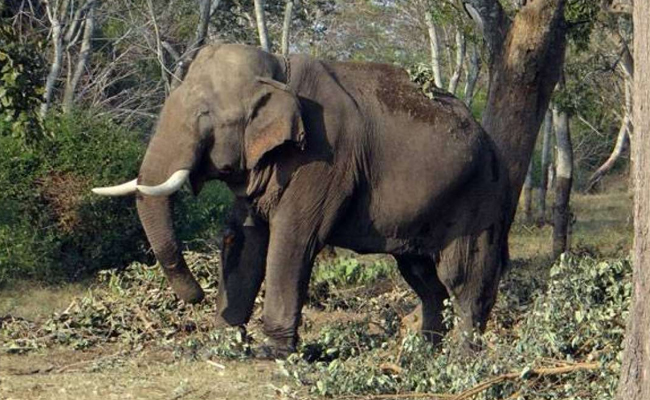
{"x": 34, "y": 301}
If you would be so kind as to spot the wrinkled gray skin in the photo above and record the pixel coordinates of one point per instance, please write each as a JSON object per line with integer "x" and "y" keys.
{"x": 347, "y": 154}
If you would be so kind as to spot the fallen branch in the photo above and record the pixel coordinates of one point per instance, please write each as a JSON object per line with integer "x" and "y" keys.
{"x": 483, "y": 386}
{"x": 80, "y": 363}
{"x": 534, "y": 372}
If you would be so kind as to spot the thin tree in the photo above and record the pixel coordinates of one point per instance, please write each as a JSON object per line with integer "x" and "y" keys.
{"x": 82, "y": 61}
{"x": 66, "y": 18}
{"x": 434, "y": 44}
{"x": 261, "y": 25}
{"x": 528, "y": 195}
{"x": 635, "y": 369}
{"x": 472, "y": 73}
{"x": 564, "y": 174}
{"x": 460, "y": 59}
{"x": 546, "y": 162}
{"x": 286, "y": 26}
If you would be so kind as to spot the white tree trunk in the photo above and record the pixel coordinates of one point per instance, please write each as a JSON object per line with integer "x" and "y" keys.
{"x": 460, "y": 58}
{"x": 286, "y": 27}
{"x": 82, "y": 61}
{"x": 473, "y": 70}
{"x": 564, "y": 176}
{"x": 528, "y": 194}
{"x": 434, "y": 42}
{"x": 546, "y": 162}
{"x": 57, "y": 56}
{"x": 261, "y": 25}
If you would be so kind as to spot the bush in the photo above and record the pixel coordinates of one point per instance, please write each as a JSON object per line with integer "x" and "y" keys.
{"x": 53, "y": 228}
{"x": 576, "y": 320}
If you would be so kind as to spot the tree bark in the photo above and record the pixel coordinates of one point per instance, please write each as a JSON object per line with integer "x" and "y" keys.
{"x": 564, "y": 173}
{"x": 434, "y": 42}
{"x": 546, "y": 162}
{"x": 473, "y": 70}
{"x": 82, "y": 61}
{"x": 526, "y": 55}
{"x": 261, "y": 25}
{"x": 528, "y": 195}
{"x": 460, "y": 58}
{"x": 635, "y": 370}
{"x": 286, "y": 27}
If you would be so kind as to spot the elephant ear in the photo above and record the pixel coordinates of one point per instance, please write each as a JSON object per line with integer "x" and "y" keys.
{"x": 275, "y": 120}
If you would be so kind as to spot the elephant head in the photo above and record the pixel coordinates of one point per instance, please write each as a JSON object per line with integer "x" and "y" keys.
{"x": 220, "y": 123}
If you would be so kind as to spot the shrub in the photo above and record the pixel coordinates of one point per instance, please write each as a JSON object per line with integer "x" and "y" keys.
{"x": 578, "y": 318}
{"x": 53, "y": 228}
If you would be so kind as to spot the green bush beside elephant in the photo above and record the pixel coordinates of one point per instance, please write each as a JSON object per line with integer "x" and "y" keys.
{"x": 317, "y": 153}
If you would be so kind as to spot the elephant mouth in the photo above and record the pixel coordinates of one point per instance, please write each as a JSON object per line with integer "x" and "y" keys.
{"x": 230, "y": 175}
{"x": 225, "y": 171}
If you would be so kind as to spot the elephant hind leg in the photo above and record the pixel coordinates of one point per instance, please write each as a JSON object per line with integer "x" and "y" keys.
{"x": 420, "y": 273}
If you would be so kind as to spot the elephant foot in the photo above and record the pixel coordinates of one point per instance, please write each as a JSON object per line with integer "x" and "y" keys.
{"x": 273, "y": 351}
{"x": 430, "y": 326}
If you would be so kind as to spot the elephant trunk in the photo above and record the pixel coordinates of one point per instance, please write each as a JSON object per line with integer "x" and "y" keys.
{"x": 156, "y": 217}
{"x": 164, "y": 157}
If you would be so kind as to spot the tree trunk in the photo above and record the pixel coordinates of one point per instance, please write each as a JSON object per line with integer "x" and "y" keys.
{"x": 57, "y": 58}
{"x": 82, "y": 61}
{"x": 286, "y": 27}
{"x": 564, "y": 172}
{"x": 546, "y": 162}
{"x": 635, "y": 369}
{"x": 473, "y": 70}
{"x": 460, "y": 58}
{"x": 528, "y": 195}
{"x": 261, "y": 25}
{"x": 526, "y": 55}
{"x": 434, "y": 42}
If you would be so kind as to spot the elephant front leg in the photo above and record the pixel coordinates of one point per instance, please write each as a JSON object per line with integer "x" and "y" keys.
{"x": 289, "y": 264}
{"x": 243, "y": 260}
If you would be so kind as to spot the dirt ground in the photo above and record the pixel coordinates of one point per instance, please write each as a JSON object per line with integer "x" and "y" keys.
{"x": 111, "y": 372}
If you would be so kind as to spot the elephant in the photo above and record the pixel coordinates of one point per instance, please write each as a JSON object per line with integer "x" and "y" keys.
{"x": 349, "y": 154}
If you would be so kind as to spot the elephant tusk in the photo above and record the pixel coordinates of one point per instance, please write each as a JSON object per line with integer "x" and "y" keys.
{"x": 118, "y": 190}
{"x": 167, "y": 188}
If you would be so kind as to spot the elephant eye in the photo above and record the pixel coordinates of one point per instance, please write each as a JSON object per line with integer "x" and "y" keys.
{"x": 228, "y": 240}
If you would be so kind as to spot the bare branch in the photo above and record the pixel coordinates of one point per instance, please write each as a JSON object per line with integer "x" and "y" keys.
{"x": 161, "y": 58}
